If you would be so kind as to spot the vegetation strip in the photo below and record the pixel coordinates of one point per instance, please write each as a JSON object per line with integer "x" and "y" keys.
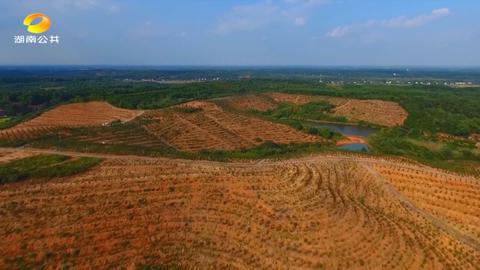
{"x": 44, "y": 166}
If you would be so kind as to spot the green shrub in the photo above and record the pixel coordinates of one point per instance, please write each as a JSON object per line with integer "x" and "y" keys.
{"x": 69, "y": 168}
{"x": 313, "y": 130}
{"x": 44, "y": 166}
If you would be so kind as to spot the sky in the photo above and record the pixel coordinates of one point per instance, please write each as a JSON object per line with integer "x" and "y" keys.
{"x": 244, "y": 33}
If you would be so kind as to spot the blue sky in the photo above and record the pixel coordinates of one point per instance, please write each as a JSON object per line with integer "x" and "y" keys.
{"x": 253, "y": 32}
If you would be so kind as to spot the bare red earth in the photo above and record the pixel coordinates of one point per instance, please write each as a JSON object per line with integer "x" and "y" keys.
{"x": 93, "y": 113}
{"x": 199, "y": 125}
{"x": 378, "y": 112}
{"x": 323, "y": 212}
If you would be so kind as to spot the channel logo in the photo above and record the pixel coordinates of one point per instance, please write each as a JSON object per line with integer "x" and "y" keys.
{"x": 40, "y": 27}
{"x": 37, "y": 24}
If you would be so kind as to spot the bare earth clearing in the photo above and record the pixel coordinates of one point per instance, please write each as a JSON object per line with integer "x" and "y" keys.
{"x": 352, "y": 140}
{"x": 378, "y": 112}
{"x": 7, "y": 156}
{"x": 191, "y": 127}
{"x": 93, "y": 113}
{"x": 476, "y": 138}
{"x": 320, "y": 212}
{"x": 303, "y": 99}
{"x": 200, "y": 125}
{"x": 251, "y": 102}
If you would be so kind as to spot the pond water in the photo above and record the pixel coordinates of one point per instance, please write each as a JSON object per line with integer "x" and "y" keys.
{"x": 346, "y": 130}
{"x": 349, "y": 130}
{"x": 355, "y": 147}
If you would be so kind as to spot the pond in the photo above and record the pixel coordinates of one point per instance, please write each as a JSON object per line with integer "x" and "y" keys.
{"x": 349, "y": 130}
{"x": 346, "y": 130}
{"x": 355, "y": 147}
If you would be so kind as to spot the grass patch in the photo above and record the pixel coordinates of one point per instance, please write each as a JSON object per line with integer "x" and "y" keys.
{"x": 8, "y": 122}
{"x": 457, "y": 156}
{"x": 69, "y": 168}
{"x": 4, "y": 120}
{"x": 267, "y": 150}
{"x": 44, "y": 166}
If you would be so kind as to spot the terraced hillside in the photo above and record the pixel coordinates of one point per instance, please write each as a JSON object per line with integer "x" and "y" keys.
{"x": 131, "y": 134}
{"x": 191, "y": 127}
{"x": 93, "y": 113}
{"x": 378, "y": 112}
{"x": 197, "y": 126}
{"x": 323, "y": 212}
{"x": 456, "y": 200}
{"x": 302, "y": 99}
{"x": 249, "y": 102}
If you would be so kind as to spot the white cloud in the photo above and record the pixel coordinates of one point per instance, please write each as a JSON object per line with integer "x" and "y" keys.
{"x": 300, "y": 21}
{"x": 403, "y": 22}
{"x": 263, "y": 13}
{"x": 398, "y": 22}
{"x": 248, "y": 17}
{"x": 298, "y": 11}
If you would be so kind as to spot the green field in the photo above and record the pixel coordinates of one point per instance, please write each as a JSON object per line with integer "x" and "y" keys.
{"x": 44, "y": 166}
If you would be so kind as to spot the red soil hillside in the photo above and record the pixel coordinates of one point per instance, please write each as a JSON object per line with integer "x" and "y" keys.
{"x": 454, "y": 199}
{"x": 303, "y": 99}
{"x": 249, "y": 102}
{"x": 323, "y": 212}
{"x": 384, "y": 113}
{"x": 197, "y": 126}
{"x": 93, "y": 113}
{"x": 378, "y": 112}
